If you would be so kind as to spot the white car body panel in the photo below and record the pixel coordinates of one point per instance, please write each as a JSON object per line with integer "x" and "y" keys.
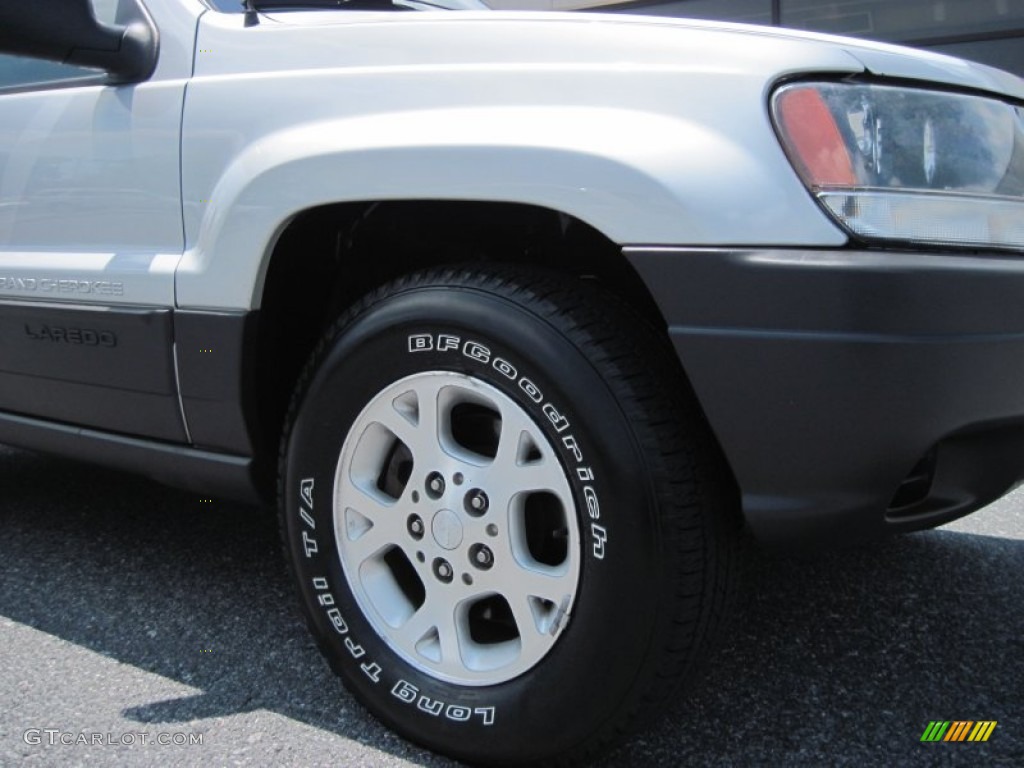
{"x": 653, "y": 131}
{"x": 90, "y": 192}
{"x": 638, "y": 144}
{"x": 90, "y": 208}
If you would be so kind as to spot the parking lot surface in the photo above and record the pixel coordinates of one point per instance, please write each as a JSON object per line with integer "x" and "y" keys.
{"x": 137, "y": 621}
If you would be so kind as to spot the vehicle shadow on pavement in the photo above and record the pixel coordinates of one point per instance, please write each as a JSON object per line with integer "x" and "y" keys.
{"x": 840, "y": 658}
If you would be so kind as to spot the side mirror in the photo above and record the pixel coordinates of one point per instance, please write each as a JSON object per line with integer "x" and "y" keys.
{"x": 67, "y": 31}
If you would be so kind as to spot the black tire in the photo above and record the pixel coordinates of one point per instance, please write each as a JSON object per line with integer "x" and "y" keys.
{"x": 650, "y": 516}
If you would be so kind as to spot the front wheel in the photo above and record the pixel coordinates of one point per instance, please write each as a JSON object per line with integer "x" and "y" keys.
{"x": 508, "y": 522}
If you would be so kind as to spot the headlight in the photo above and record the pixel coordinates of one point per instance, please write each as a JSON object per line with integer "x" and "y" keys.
{"x": 893, "y": 163}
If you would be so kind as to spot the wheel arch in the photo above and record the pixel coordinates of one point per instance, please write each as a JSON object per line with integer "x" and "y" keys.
{"x": 685, "y": 182}
{"x": 328, "y": 256}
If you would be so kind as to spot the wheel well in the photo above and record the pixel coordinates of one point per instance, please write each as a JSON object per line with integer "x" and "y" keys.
{"x": 330, "y": 256}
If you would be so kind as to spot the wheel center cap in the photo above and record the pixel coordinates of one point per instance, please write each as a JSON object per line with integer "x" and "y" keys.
{"x": 447, "y": 529}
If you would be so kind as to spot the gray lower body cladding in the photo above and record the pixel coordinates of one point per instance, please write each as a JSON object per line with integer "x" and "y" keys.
{"x": 852, "y": 392}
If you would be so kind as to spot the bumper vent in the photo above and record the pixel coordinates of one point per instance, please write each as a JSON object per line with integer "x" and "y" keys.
{"x": 914, "y": 489}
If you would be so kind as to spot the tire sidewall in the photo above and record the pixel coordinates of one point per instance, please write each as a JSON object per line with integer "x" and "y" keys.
{"x": 541, "y": 362}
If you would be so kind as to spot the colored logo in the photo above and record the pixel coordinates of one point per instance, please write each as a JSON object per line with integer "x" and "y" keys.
{"x": 958, "y": 730}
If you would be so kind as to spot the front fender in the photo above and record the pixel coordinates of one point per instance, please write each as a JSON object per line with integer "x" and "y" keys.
{"x": 636, "y": 177}
{"x": 651, "y": 133}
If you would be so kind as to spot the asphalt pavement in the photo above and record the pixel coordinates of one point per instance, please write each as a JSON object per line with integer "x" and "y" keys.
{"x": 138, "y": 621}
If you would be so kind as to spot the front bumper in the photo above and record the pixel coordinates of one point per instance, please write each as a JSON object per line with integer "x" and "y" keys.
{"x": 853, "y": 393}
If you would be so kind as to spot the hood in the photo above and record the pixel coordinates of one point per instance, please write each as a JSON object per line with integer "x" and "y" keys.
{"x": 833, "y": 53}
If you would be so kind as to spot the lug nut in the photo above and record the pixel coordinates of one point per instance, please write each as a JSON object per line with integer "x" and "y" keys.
{"x": 415, "y": 526}
{"x": 443, "y": 570}
{"x": 476, "y": 502}
{"x": 435, "y": 485}
{"x": 481, "y": 556}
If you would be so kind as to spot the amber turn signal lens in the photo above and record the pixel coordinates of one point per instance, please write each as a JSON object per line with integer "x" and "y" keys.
{"x": 813, "y": 136}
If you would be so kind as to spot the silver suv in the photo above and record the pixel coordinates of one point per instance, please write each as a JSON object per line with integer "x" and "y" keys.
{"x": 520, "y": 317}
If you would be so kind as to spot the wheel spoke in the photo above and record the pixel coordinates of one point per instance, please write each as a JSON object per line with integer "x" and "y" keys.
{"x": 544, "y": 475}
{"x": 368, "y": 543}
{"x": 448, "y": 630}
{"x": 367, "y": 524}
{"x": 365, "y": 503}
{"x": 514, "y": 426}
{"x": 529, "y": 582}
{"x": 417, "y": 628}
{"x": 412, "y": 418}
{"x": 410, "y": 414}
{"x": 533, "y": 640}
{"x": 524, "y": 460}
{"x": 433, "y": 631}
